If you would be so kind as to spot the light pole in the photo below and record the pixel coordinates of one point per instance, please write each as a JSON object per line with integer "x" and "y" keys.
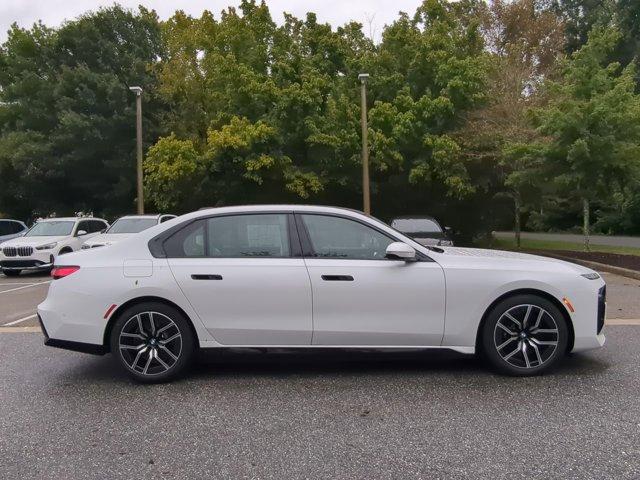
{"x": 138, "y": 92}
{"x": 366, "y": 199}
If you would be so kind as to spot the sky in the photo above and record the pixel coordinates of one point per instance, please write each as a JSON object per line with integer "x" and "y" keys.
{"x": 374, "y": 13}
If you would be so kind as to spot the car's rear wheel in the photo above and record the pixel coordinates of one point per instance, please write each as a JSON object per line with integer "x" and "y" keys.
{"x": 153, "y": 342}
{"x": 525, "y": 335}
{"x": 11, "y": 273}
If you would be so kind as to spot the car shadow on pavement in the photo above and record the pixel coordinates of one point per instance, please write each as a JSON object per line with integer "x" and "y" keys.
{"x": 331, "y": 361}
{"x": 248, "y": 364}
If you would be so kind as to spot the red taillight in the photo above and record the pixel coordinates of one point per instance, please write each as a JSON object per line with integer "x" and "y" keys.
{"x": 63, "y": 271}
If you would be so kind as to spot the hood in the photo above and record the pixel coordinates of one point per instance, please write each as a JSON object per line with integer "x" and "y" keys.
{"x": 453, "y": 256}
{"x": 32, "y": 241}
{"x": 108, "y": 238}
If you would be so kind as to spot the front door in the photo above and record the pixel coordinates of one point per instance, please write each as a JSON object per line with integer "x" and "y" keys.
{"x": 362, "y": 298}
{"x": 241, "y": 277}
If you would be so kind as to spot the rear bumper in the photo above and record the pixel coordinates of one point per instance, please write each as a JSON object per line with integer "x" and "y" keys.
{"x": 70, "y": 345}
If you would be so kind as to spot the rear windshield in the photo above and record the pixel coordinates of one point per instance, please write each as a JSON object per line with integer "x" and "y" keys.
{"x": 415, "y": 225}
{"x": 51, "y": 229}
{"x": 132, "y": 225}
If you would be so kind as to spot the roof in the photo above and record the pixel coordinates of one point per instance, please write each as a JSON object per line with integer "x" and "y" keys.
{"x": 144, "y": 215}
{"x": 283, "y": 206}
{"x": 414, "y": 217}
{"x": 67, "y": 219}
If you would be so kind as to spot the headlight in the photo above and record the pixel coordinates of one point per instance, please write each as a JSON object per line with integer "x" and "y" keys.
{"x": 85, "y": 247}
{"x": 590, "y": 276}
{"x": 48, "y": 246}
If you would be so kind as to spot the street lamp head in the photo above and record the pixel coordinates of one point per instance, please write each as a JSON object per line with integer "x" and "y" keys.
{"x": 363, "y": 77}
{"x": 136, "y": 90}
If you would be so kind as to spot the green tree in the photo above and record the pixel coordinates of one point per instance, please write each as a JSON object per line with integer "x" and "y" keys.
{"x": 591, "y": 125}
{"x": 525, "y": 39}
{"x": 67, "y": 119}
{"x": 272, "y": 112}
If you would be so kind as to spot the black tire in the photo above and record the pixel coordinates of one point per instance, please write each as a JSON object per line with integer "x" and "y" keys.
{"x": 11, "y": 273}
{"x": 151, "y": 344}
{"x": 542, "y": 350}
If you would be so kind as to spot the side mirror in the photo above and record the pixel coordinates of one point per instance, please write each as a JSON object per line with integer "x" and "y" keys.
{"x": 448, "y": 230}
{"x": 400, "y": 251}
{"x": 81, "y": 232}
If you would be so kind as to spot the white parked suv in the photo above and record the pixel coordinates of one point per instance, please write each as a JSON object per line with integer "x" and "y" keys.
{"x": 46, "y": 240}
{"x": 124, "y": 227}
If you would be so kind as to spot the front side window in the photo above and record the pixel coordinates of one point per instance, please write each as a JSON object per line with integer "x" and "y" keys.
{"x": 6, "y": 228}
{"x": 51, "y": 228}
{"x": 17, "y": 227}
{"x": 341, "y": 238}
{"x": 248, "y": 236}
{"x": 131, "y": 225}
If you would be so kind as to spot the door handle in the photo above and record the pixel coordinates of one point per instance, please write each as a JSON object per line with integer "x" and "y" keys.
{"x": 337, "y": 278}
{"x": 198, "y": 276}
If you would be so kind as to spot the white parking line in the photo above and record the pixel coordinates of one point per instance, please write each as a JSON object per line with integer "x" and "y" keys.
{"x": 15, "y": 322}
{"x": 20, "y": 329}
{"x": 26, "y": 286}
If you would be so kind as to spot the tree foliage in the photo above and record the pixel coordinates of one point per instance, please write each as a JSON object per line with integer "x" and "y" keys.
{"x": 67, "y": 118}
{"x": 273, "y": 111}
{"x": 474, "y": 108}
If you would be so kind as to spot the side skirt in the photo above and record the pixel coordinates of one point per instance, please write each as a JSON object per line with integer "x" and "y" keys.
{"x": 464, "y": 350}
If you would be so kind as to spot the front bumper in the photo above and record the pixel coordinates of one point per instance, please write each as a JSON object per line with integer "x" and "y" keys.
{"x": 25, "y": 264}
{"x": 36, "y": 260}
{"x": 69, "y": 345}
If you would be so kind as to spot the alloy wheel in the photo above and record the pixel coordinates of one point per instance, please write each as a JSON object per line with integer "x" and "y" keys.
{"x": 150, "y": 343}
{"x": 526, "y": 336}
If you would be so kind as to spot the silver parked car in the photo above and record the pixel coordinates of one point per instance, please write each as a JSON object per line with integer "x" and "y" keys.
{"x": 11, "y": 229}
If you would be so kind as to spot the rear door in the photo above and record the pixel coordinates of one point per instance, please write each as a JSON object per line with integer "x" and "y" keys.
{"x": 245, "y": 277}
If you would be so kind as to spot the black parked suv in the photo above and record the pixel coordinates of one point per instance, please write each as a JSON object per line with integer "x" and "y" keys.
{"x": 423, "y": 229}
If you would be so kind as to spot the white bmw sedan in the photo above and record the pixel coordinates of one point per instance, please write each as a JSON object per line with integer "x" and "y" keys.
{"x": 308, "y": 277}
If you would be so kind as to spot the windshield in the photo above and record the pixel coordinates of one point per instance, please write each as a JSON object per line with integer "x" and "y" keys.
{"x": 131, "y": 225}
{"x": 416, "y": 225}
{"x": 51, "y": 229}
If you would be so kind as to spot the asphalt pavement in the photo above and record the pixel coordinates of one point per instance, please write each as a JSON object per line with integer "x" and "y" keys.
{"x": 20, "y": 296}
{"x": 320, "y": 415}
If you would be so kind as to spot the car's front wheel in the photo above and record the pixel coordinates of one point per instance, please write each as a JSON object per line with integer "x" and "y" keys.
{"x": 525, "y": 335}
{"x": 153, "y": 342}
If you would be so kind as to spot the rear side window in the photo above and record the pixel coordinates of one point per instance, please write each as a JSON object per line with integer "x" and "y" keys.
{"x": 234, "y": 236}
{"x": 248, "y": 236}
{"x": 188, "y": 242}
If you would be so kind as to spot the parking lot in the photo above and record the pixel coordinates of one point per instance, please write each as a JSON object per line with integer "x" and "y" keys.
{"x": 330, "y": 414}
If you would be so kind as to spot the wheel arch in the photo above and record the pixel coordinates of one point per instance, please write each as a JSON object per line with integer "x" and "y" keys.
{"x": 527, "y": 291}
{"x": 136, "y": 301}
